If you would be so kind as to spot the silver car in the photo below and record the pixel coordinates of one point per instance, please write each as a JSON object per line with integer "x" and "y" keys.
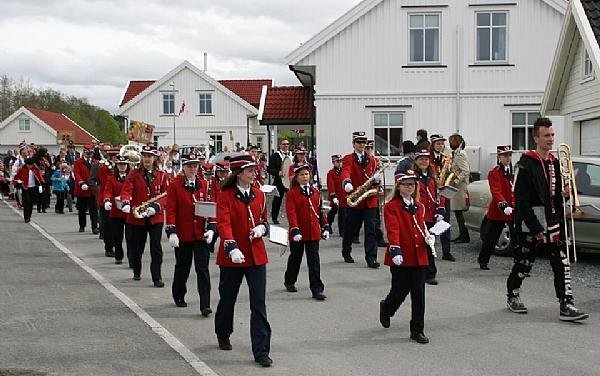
{"x": 587, "y": 229}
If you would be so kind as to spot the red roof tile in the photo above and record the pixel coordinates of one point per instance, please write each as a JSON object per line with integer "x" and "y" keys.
{"x": 248, "y": 90}
{"x": 288, "y": 105}
{"x": 134, "y": 88}
{"x": 60, "y": 122}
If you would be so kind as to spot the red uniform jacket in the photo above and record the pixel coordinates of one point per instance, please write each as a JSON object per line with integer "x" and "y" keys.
{"x": 102, "y": 176}
{"x": 23, "y": 175}
{"x": 136, "y": 192}
{"x": 234, "y": 224}
{"x": 82, "y": 174}
{"x": 357, "y": 174}
{"x": 437, "y": 165}
{"x": 501, "y": 190}
{"x": 402, "y": 232}
{"x": 260, "y": 174}
{"x": 428, "y": 196}
{"x": 334, "y": 186}
{"x": 180, "y": 210}
{"x": 301, "y": 216}
{"x": 112, "y": 188}
{"x": 215, "y": 188}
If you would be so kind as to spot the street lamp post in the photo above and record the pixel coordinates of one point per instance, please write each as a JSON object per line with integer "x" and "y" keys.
{"x": 172, "y": 84}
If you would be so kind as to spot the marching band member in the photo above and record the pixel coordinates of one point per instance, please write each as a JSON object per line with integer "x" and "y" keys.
{"x": 276, "y": 162}
{"x": 141, "y": 185}
{"x": 112, "y": 190}
{"x": 501, "y": 207}
{"x": 215, "y": 185}
{"x": 260, "y": 178}
{"x": 370, "y": 151}
{"x": 437, "y": 158}
{"x": 99, "y": 173}
{"x": 337, "y": 196}
{"x": 30, "y": 178}
{"x": 407, "y": 254}
{"x": 86, "y": 200}
{"x": 17, "y": 164}
{"x": 432, "y": 203}
{"x": 307, "y": 226}
{"x": 539, "y": 222}
{"x": 242, "y": 222}
{"x": 460, "y": 201}
{"x": 357, "y": 168}
{"x": 188, "y": 234}
{"x": 299, "y": 159}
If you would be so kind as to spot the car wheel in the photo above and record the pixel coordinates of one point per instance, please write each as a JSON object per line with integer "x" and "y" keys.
{"x": 504, "y": 246}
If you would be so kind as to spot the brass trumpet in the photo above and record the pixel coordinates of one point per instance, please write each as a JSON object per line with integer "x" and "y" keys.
{"x": 567, "y": 174}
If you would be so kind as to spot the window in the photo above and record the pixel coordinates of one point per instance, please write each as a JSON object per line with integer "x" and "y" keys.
{"x": 205, "y": 103}
{"x": 491, "y": 36}
{"x": 169, "y": 104}
{"x": 424, "y": 38}
{"x": 217, "y": 140}
{"x": 259, "y": 142}
{"x": 388, "y": 132}
{"x": 588, "y": 68}
{"x": 522, "y": 130}
{"x": 24, "y": 125}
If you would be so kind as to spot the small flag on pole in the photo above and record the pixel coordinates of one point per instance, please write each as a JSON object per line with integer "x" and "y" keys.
{"x": 182, "y": 108}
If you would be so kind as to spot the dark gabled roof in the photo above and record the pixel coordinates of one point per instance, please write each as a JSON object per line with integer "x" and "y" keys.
{"x": 592, "y": 11}
{"x": 288, "y": 105}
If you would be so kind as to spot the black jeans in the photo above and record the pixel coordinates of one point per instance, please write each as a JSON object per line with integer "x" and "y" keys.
{"x": 277, "y": 200}
{"x": 462, "y": 228}
{"x": 431, "y": 269}
{"x": 138, "y": 238}
{"x": 198, "y": 251}
{"x": 117, "y": 226}
{"x": 83, "y": 205}
{"x": 129, "y": 244}
{"x": 407, "y": 280}
{"x": 229, "y": 286}
{"x": 445, "y": 237}
{"x": 312, "y": 260}
{"x": 492, "y": 234}
{"x": 59, "y": 207}
{"x": 354, "y": 217}
{"x": 29, "y": 196}
{"x": 107, "y": 234}
{"x": 331, "y": 216}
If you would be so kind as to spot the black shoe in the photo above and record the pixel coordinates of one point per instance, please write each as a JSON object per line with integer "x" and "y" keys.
{"x": 27, "y": 220}
{"x": 159, "y": 283}
{"x": 180, "y": 303}
{"x": 383, "y": 318}
{"x": 205, "y": 312}
{"x": 349, "y": 259}
{"x": 81, "y": 229}
{"x": 109, "y": 253}
{"x": 291, "y": 288}
{"x": 382, "y": 244}
{"x": 136, "y": 277}
{"x": 319, "y": 296}
{"x": 515, "y": 305}
{"x": 95, "y": 231}
{"x": 568, "y": 312}
{"x": 224, "y": 343}
{"x": 461, "y": 239}
{"x": 448, "y": 257}
{"x": 264, "y": 361}
{"x": 373, "y": 264}
{"x": 118, "y": 262}
{"x": 356, "y": 240}
{"x": 419, "y": 337}
{"x": 431, "y": 281}
{"x": 483, "y": 266}
{"x": 43, "y": 210}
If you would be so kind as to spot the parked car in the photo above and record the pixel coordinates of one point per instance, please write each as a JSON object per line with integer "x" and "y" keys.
{"x": 587, "y": 177}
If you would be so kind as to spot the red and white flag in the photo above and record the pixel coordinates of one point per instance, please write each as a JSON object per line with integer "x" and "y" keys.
{"x": 182, "y": 108}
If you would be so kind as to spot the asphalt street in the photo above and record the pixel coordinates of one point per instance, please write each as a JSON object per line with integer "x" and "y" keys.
{"x": 55, "y": 317}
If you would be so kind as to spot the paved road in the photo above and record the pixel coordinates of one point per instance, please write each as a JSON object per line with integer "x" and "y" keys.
{"x": 470, "y": 329}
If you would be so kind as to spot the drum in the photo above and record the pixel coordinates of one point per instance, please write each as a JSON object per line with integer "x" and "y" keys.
{"x": 285, "y": 169}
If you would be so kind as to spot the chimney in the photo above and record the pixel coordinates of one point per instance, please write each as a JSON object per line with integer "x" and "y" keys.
{"x": 205, "y": 62}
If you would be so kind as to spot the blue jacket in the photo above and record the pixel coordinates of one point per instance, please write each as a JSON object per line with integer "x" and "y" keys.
{"x": 59, "y": 182}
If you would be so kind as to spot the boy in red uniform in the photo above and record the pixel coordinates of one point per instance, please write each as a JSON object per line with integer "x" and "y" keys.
{"x": 86, "y": 198}
{"x": 500, "y": 209}
{"x": 111, "y": 192}
{"x": 307, "y": 226}
{"x": 337, "y": 196}
{"x": 407, "y": 254}
{"x": 30, "y": 178}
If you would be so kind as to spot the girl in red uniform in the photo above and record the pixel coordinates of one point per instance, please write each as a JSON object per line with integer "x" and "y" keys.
{"x": 337, "y": 196}
{"x": 188, "y": 234}
{"x": 112, "y": 190}
{"x": 307, "y": 227}
{"x": 299, "y": 159}
{"x": 407, "y": 254}
{"x": 242, "y": 222}
{"x": 31, "y": 179}
{"x": 500, "y": 209}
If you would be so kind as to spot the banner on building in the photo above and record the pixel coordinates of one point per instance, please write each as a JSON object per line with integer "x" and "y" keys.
{"x": 63, "y": 137}
{"x": 140, "y": 132}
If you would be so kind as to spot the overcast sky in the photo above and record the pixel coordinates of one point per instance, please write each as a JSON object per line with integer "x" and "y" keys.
{"x": 92, "y": 49}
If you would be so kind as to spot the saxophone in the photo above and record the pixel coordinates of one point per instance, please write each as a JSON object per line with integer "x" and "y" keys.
{"x": 367, "y": 189}
{"x": 446, "y": 176}
{"x": 139, "y": 212}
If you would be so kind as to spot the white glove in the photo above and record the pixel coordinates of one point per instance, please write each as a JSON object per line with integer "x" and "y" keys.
{"x": 297, "y": 238}
{"x": 208, "y": 236}
{"x": 84, "y": 187}
{"x": 377, "y": 178}
{"x": 237, "y": 257}
{"x": 508, "y": 210}
{"x": 107, "y": 206}
{"x": 174, "y": 240}
{"x": 348, "y": 187}
{"x": 335, "y": 201}
{"x": 19, "y": 181}
{"x": 150, "y": 211}
{"x": 439, "y": 217}
{"x": 397, "y": 260}
{"x": 126, "y": 209}
{"x": 325, "y": 235}
{"x": 40, "y": 189}
{"x": 258, "y": 232}
{"x": 430, "y": 241}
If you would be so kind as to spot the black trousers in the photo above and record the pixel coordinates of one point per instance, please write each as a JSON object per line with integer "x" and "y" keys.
{"x": 29, "y": 196}
{"x": 129, "y": 244}
{"x": 138, "y": 239}
{"x": 59, "y": 207}
{"x": 493, "y": 231}
{"x": 378, "y": 232}
{"x": 462, "y": 228}
{"x": 431, "y": 269}
{"x": 117, "y": 227}
{"x": 199, "y": 252}
{"x": 445, "y": 237}
{"x": 524, "y": 259}
{"x": 354, "y": 217}
{"x": 407, "y": 280}
{"x": 85, "y": 204}
{"x": 229, "y": 286}
{"x": 331, "y": 216}
{"x": 312, "y": 260}
{"x": 107, "y": 234}
{"x": 45, "y": 197}
{"x": 277, "y": 200}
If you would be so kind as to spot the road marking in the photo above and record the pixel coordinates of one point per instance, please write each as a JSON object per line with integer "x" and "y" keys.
{"x": 190, "y": 358}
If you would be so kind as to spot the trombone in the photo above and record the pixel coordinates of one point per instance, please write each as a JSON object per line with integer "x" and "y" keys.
{"x": 567, "y": 174}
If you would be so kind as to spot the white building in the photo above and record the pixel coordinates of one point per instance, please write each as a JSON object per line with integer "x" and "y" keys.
{"x": 573, "y": 88}
{"x": 212, "y": 112}
{"x": 391, "y": 67}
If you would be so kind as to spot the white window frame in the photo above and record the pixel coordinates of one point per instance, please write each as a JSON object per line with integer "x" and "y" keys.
{"x": 401, "y": 127}
{"x": 259, "y": 142}
{"x": 491, "y": 28}
{"x": 587, "y": 69}
{"x": 528, "y": 126}
{"x": 216, "y": 142}
{"x": 164, "y": 99}
{"x": 206, "y": 100}
{"x": 24, "y": 125}
{"x": 439, "y": 44}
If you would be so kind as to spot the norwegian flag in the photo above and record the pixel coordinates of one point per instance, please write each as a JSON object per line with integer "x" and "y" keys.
{"x": 182, "y": 108}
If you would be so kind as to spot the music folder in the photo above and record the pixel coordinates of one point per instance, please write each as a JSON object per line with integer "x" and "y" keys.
{"x": 448, "y": 191}
{"x": 205, "y": 209}
{"x": 118, "y": 203}
{"x": 278, "y": 235}
{"x": 268, "y": 188}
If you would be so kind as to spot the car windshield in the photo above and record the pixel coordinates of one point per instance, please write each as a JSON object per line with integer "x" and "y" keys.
{"x": 587, "y": 176}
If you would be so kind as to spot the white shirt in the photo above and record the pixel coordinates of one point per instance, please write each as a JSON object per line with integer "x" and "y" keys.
{"x": 360, "y": 156}
{"x": 244, "y": 190}
{"x": 408, "y": 201}
{"x": 31, "y": 179}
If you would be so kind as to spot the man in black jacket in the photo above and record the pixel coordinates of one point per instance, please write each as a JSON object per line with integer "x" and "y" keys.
{"x": 539, "y": 222}
{"x": 276, "y": 161}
